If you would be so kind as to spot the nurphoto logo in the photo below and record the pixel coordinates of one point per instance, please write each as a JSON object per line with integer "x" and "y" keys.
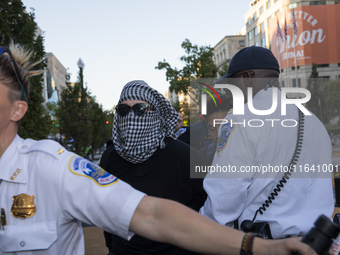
{"x": 238, "y": 100}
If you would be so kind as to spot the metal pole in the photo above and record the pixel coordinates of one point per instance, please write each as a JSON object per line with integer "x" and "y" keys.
{"x": 296, "y": 73}
{"x": 279, "y": 48}
{"x": 287, "y": 62}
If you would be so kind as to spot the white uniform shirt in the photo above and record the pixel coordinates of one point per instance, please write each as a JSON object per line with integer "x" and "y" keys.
{"x": 238, "y": 195}
{"x": 67, "y": 190}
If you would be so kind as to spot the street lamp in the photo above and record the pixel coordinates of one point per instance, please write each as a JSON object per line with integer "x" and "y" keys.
{"x": 81, "y": 66}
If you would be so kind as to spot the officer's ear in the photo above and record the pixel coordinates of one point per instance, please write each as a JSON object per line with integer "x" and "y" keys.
{"x": 19, "y": 110}
{"x": 247, "y": 75}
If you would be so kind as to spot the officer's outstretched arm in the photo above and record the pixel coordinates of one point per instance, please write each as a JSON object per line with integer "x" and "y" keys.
{"x": 167, "y": 221}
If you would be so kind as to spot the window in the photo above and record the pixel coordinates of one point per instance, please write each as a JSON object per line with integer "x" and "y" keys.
{"x": 262, "y": 27}
{"x": 323, "y": 65}
{"x": 241, "y": 43}
{"x": 263, "y": 42}
{"x": 299, "y": 83}
{"x": 249, "y": 21}
{"x": 317, "y": 2}
{"x": 337, "y": 2}
{"x": 275, "y": 1}
{"x": 268, "y": 4}
{"x": 291, "y": 6}
{"x": 257, "y": 44}
{"x": 324, "y": 78}
{"x": 283, "y": 84}
{"x": 293, "y": 68}
{"x": 261, "y": 10}
{"x": 255, "y": 31}
{"x": 250, "y": 35}
{"x": 281, "y": 70}
{"x": 255, "y": 16}
{"x": 268, "y": 20}
{"x": 277, "y": 12}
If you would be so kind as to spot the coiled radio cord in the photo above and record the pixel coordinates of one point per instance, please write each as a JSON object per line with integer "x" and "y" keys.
{"x": 292, "y": 164}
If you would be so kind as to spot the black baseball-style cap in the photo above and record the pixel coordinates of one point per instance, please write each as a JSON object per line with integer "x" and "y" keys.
{"x": 253, "y": 57}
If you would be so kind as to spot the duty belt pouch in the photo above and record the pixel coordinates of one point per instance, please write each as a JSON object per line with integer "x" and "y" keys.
{"x": 263, "y": 228}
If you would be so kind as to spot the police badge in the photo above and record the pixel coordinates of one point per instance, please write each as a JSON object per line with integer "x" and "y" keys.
{"x": 23, "y": 206}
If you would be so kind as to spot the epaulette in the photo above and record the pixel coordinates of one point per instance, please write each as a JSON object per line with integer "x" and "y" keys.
{"x": 46, "y": 146}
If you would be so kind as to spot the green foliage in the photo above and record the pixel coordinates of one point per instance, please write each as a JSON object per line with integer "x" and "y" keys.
{"x": 176, "y": 106}
{"x": 100, "y": 130}
{"x": 331, "y": 94}
{"x": 333, "y": 129}
{"x": 75, "y": 116}
{"x": 184, "y": 109}
{"x": 224, "y": 70}
{"x": 82, "y": 119}
{"x": 52, "y": 109}
{"x": 19, "y": 26}
{"x": 317, "y": 102}
{"x": 325, "y": 97}
{"x": 198, "y": 64}
{"x": 314, "y": 73}
{"x": 37, "y": 123}
{"x": 16, "y": 24}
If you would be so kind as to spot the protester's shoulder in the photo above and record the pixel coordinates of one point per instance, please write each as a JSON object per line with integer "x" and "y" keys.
{"x": 176, "y": 146}
{"x": 183, "y": 134}
{"x": 181, "y": 131}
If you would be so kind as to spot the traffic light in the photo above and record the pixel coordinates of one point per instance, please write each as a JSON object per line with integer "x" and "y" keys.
{"x": 107, "y": 122}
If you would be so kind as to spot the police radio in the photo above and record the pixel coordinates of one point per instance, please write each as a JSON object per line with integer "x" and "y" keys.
{"x": 320, "y": 237}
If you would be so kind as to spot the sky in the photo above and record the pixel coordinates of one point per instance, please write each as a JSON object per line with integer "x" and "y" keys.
{"x": 121, "y": 41}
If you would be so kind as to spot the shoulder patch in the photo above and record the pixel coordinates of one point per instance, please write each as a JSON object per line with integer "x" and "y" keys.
{"x": 181, "y": 131}
{"x": 83, "y": 167}
{"x": 226, "y": 131}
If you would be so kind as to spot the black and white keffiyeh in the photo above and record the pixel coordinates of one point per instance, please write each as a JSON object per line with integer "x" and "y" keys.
{"x": 136, "y": 138}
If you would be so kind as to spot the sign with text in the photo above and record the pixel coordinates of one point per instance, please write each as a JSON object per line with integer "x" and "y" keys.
{"x": 317, "y": 39}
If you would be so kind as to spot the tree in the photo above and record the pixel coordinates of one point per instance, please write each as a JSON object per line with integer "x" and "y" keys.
{"x": 75, "y": 115}
{"x": 52, "y": 109}
{"x": 317, "y": 103}
{"x": 184, "y": 109}
{"x": 99, "y": 128}
{"x": 177, "y": 106}
{"x": 224, "y": 70}
{"x": 331, "y": 96}
{"x": 198, "y": 64}
{"x": 18, "y": 25}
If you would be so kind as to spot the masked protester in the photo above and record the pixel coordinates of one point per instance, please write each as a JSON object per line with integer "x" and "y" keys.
{"x": 146, "y": 154}
{"x": 46, "y": 192}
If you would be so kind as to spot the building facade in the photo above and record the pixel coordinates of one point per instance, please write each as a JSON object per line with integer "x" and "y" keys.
{"x": 55, "y": 77}
{"x": 316, "y": 41}
{"x": 226, "y": 49}
{"x": 173, "y": 97}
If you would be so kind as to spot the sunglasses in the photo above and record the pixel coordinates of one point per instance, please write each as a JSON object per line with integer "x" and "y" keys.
{"x": 15, "y": 68}
{"x": 138, "y": 109}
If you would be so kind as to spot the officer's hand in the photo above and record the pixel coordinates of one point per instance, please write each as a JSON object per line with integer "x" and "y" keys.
{"x": 281, "y": 247}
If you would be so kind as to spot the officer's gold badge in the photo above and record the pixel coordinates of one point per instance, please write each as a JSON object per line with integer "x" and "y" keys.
{"x": 23, "y": 206}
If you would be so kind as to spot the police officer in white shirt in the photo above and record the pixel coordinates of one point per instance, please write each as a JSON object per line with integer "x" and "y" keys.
{"x": 257, "y": 151}
{"x": 46, "y": 192}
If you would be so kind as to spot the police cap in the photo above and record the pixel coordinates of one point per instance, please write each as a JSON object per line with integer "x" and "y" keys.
{"x": 253, "y": 57}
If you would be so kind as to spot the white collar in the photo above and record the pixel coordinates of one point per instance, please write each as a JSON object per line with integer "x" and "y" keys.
{"x": 11, "y": 163}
